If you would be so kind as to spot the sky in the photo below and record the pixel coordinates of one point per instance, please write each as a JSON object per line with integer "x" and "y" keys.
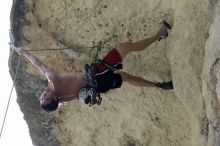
{"x": 15, "y": 130}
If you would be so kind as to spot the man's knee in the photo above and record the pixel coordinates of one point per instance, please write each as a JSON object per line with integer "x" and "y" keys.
{"x": 124, "y": 76}
{"x": 124, "y": 49}
{"x": 124, "y": 45}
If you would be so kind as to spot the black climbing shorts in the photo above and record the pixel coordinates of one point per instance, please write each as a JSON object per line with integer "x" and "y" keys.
{"x": 105, "y": 77}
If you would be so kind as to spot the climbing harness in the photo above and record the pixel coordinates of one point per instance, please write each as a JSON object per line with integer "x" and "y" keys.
{"x": 90, "y": 94}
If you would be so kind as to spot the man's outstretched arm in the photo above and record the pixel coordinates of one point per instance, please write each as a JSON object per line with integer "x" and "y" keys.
{"x": 48, "y": 72}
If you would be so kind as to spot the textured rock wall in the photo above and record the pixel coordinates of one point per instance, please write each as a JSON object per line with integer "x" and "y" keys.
{"x": 85, "y": 30}
{"x": 210, "y": 79}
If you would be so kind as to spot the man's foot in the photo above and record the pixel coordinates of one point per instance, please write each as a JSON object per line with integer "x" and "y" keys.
{"x": 164, "y": 30}
{"x": 165, "y": 85}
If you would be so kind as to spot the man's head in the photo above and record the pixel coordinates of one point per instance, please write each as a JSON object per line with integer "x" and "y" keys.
{"x": 48, "y": 101}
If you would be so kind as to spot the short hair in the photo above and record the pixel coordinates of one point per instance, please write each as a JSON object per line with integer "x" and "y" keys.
{"x": 52, "y": 106}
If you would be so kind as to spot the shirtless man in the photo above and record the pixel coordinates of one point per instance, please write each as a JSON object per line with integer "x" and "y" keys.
{"x": 66, "y": 87}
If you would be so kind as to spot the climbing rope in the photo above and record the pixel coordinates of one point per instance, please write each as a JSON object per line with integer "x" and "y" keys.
{"x": 9, "y": 99}
{"x": 66, "y": 48}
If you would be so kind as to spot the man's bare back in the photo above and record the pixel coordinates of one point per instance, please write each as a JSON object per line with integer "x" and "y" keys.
{"x": 67, "y": 86}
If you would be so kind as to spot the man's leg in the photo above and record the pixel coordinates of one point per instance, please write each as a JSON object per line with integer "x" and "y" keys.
{"x": 127, "y": 47}
{"x": 137, "y": 81}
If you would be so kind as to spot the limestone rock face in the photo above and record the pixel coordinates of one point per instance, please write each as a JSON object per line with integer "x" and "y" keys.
{"x": 66, "y": 34}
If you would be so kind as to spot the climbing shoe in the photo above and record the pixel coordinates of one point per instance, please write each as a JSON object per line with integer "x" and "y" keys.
{"x": 165, "y": 85}
{"x": 164, "y": 30}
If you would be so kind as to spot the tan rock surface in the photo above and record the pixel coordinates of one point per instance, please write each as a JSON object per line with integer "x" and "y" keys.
{"x": 185, "y": 116}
